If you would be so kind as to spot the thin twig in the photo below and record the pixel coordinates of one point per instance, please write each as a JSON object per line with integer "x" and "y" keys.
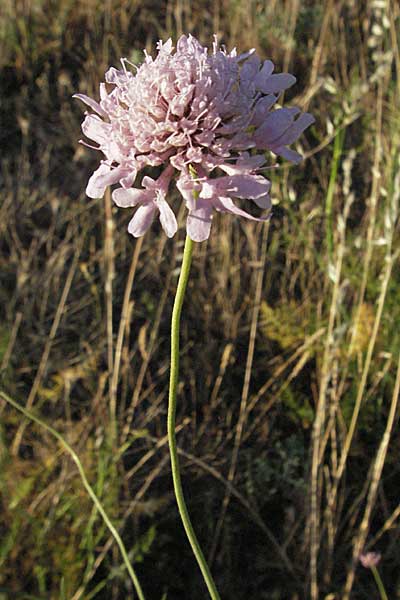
{"x": 48, "y": 345}
{"x": 124, "y": 317}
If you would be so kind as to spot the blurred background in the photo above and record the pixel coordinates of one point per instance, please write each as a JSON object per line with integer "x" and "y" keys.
{"x": 287, "y": 412}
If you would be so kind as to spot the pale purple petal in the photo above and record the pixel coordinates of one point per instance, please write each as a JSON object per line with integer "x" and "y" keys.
{"x": 239, "y": 186}
{"x": 263, "y": 202}
{"x": 178, "y": 161}
{"x": 243, "y": 165}
{"x": 194, "y": 155}
{"x": 95, "y": 129}
{"x": 277, "y": 83}
{"x": 129, "y": 180}
{"x": 149, "y": 183}
{"x": 166, "y": 47}
{"x": 250, "y": 69}
{"x": 92, "y": 103}
{"x": 186, "y": 185}
{"x": 103, "y": 91}
{"x": 96, "y": 187}
{"x": 179, "y": 104}
{"x": 142, "y": 219}
{"x": 288, "y": 153}
{"x": 198, "y": 223}
{"x": 227, "y": 205}
{"x": 245, "y": 55}
{"x": 262, "y": 108}
{"x": 167, "y": 217}
{"x": 264, "y": 74}
{"x": 182, "y": 43}
{"x": 126, "y": 198}
{"x": 211, "y": 162}
{"x": 295, "y": 130}
{"x": 117, "y": 77}
{"x": 274, "y": 126}
{"x": 241, "y": 141}
{"x": 205, "y": 138}
{"x": 103, "y": 180}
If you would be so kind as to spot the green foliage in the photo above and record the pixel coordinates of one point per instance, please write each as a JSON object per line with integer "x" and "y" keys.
{"x": 277, "y": 473}
{"x": 143, "y": 545}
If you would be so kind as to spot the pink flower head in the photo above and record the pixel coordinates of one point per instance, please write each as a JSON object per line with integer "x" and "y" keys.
{"x": 370, "y": 559}
{"x": 198, "y": 114}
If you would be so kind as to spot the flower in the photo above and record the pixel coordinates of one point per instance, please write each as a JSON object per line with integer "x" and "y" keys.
{"x": 370, "y": 559}
{"x": 197, "y": 114}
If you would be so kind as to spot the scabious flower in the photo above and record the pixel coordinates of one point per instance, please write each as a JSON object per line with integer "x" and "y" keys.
{"x": 206, "y": 117}
{"x": 370, "y": 559}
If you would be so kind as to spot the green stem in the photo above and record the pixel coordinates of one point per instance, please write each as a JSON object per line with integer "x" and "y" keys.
{"x": 87, "y": 485}
{"x": 379, "y": 583}
{"x": 173, "y": 384}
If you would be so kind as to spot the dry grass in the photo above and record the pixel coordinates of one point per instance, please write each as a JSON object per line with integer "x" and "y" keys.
{"x": 290, "y": 363}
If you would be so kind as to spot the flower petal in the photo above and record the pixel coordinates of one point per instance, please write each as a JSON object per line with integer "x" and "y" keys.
{"x": 129, "y": 180}
{"x": 289, "y": 154}
{"x": 96, "y": 129}
{"x": 167, "y": 218}
{"x": 102, "y": 178}
{"x": 92, "y": 103}
{"x": 244, "y": 164}
{"x": 295, "y": 130}
{"x": 95, "y": 187}
{"x": 186, "y": 185}
{"x": 262, "y": 108}
{"x": 117, "y": 77}
{"x": 244, "y": 55}
{"x": 227, "y": 205}
{"x": 142, "y": 219}
{"x": 263, "y": 202}
{"x": 274, "y": 126}
{"x": 125, "y": 198}
{"x": 149, "y": 183}
{"x": 198, "y": 223}
{"x": 239, "y": 186}
{"x": 179, "y": 103}
{"x": 265, "y": 73}
{"x": 276, "y": 83}
{"x": 249, "y": 70}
